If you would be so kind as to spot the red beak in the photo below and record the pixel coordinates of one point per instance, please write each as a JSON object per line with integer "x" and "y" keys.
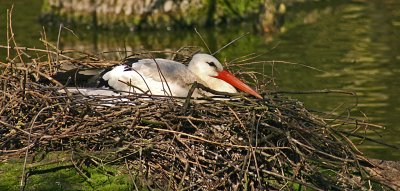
{"x": 231, "y": 79}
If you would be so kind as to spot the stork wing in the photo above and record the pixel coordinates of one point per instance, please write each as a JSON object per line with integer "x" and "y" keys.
{"x": 158, "y": 76}
{"x": 163, "y": 70}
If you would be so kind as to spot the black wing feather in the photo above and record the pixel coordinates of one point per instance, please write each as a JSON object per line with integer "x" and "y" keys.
{"x": 128, "y": 62}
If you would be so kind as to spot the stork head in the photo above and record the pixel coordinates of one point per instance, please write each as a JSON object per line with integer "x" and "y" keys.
{"x": 206, "y": 67}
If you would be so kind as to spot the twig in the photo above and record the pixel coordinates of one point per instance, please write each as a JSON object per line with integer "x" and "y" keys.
{"x": 23, "y": 179}
{"x": 201, "y": 37}
{"x": 231, "y": 42}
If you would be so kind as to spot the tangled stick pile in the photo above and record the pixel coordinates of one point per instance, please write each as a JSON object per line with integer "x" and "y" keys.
{"x": 177, "y": 143}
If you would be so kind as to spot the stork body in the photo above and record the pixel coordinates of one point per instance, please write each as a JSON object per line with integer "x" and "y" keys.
{"x": 169, "y": 78}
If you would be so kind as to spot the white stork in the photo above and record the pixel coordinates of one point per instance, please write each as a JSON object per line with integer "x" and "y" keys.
{"x": 166, "y": 77}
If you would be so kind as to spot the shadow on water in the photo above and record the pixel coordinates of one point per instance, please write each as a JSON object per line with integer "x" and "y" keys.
{"x": 355, "y": 43}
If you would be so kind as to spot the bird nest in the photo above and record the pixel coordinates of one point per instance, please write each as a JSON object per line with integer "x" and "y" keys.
{"x": 233, "y": 142}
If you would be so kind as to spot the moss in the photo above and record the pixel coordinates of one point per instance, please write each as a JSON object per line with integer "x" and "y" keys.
{"x": 63, "y": 176}
{"x": 10, "y": 175}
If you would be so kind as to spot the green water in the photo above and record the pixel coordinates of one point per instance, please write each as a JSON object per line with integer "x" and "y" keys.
{"x": 355, "y": 43}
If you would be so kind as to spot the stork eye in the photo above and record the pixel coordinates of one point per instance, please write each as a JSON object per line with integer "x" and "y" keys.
{"x": 212, "y": 64}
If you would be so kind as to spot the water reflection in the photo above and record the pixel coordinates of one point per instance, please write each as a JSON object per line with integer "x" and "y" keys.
{"x": 358, "y": 45}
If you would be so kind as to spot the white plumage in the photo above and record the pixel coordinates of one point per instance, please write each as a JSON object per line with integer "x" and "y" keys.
{"x": 167, "y": 77}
